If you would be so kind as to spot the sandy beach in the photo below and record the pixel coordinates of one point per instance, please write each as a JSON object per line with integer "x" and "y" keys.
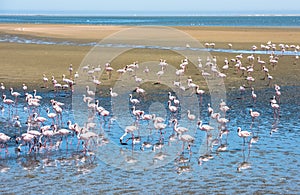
{"x": 26, "y": 63}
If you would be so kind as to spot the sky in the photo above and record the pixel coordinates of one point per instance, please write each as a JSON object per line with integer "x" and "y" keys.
{"x": 152, "y": 6}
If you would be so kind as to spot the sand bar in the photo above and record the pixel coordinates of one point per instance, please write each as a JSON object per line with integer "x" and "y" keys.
{"x": 27, "y": 62}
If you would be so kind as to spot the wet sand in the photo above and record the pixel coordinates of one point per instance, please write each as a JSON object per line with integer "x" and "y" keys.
{"x": 26, "y": 63}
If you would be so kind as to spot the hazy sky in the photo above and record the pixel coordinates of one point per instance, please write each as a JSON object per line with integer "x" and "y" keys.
{"x": 151, "y": 5}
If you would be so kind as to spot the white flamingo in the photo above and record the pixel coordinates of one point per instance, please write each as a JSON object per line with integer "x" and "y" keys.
{"x": 133, "y": 100}
{"x": 15, "y": 94}
{"x": 254, "y": 114}
{"x": 128, "y": 129}
{"x": 243, "y": 134}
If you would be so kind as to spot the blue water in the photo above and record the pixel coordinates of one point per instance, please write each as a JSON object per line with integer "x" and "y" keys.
{"x": 42, "y": 41}
{"x": 273, "y": 161}
{"x": 263, "y": 21}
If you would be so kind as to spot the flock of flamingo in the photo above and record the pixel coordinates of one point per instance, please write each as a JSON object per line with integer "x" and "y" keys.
{"x": 45, "y": 126}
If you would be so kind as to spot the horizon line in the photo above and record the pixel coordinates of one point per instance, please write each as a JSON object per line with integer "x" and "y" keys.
{"x": 147, "y": 13}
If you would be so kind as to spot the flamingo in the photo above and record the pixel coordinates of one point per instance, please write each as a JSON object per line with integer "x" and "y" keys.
{"x": 17, "y": 123}
{"x": 15, "y": 94}
{"x": 96, "y": 81}
{"x": 73, "y": 127}
{"x": 278, "y": 94}
{"x": 191, "y": 84}
{"x": 254, "y": 96}
{"x": 254, "y": 114}
{"x": 270, "y": 78}
{"x": 146, "y": 116}
{"x": 48, "y": 134}
{"x": 222, "y": 121}
{"x": 140, "y": 91}
{"x": 261, "y": 62}
{"x": 109, "y": 71}
{"x": 112, "y": 94}
{"x": 98, "y": 68}
{"x": 93, "y": 106}
{"x": 103, "y": 112}
{"x": 91, "y": 71}
{"x": 266, "y": 71}
{"x": 242, "y": 89}
{"x": 146, "y": 70}
{"x": 159, "y": 125}
{"x": 137, "y": 113}
{"x": 38, "y": 119}
{"x": 276, "y": 108}
{"x": 224, "y": 109}
{"x": 61, "y": 132}
{"x": 171, "y": 97}
{"x": 163, "y": 63}
{"x": 7, "y": 102}
{"x": 89, "y": 92}
{"x": 24, "y": 87}
{"x": 190, "y": 116}
{"x": 205, "y": 128}
{"x": 51, "y": 115}
{"x": 128, "y": 129}
{"x": 172, "y": 108}
{"x": 199, "y": 91}
{"x": 4, "y": 139}
{"x": 186, "y": 138}
{"x": 71, "y": 69}
{"x": 87, "y": 98}
{"x": 243, "y": 134}
{"x": 249, "y": 80}
{"x": 205, "y": 74}
{"x": 86, "y": 68}
{"x": 86, "y": 138}
{"x": 26, "y": 138}
{"x": 133, "y": 101}
{"x": 76, "y": 75}
{"x": 122, "y": 70}
{"x": 45, "y": 81}
{"x": 176, "y": 102}
{"x": 54, "y": 102}
{"x": 210, "y": 110}
{"x": 2, "y": 87}
{"x": 157, "y": 118}
{"x": 36, "y": 96}
{"x": 178, "y": 130}
{"x": 58, "y": 110}
{"x": 179, "y": 72}
{"x": 159, "y": 74}
{"x": 222, "y": 103}
{"x": 138, "y": 79}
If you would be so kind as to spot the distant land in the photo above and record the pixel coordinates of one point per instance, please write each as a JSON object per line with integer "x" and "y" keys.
{"x": 152, "y": 13}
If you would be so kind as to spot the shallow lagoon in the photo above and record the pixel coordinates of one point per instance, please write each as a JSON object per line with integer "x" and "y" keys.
{"x": 272, "y": 162}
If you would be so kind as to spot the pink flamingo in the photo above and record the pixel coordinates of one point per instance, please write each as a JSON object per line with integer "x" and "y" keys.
{"x": 254, "y": 114}
{"x": 243, "y": 134}
{"x": 4, "y": 139}
{"x": 15, "y": 94}
{"x": 7, "y": 102}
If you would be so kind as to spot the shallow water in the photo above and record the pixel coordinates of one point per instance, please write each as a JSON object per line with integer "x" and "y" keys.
{"x": 272, "y": 163}
{"x": 39, "y": 41}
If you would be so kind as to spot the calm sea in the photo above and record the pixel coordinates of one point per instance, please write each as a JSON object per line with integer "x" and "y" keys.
{"x": 268, "y": 21}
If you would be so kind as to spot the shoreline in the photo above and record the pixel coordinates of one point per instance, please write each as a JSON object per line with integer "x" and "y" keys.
{"x": 31, "y": 61}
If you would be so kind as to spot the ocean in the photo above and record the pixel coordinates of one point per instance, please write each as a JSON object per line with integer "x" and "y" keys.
{"x": 251, "y": 21}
